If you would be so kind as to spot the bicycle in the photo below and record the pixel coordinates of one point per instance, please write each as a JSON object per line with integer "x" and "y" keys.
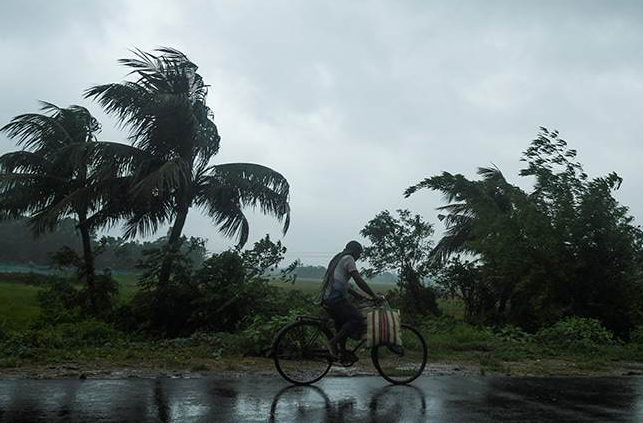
{"x": 301, "y": 355}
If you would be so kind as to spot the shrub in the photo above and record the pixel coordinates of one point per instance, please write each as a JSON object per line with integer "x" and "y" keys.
{"x": 447, "y": 332}
{"x": 89, "y": 332}
{"x": 58, "y": 303}
{"x": 512, "y": 334}
{"x": 577, "y": 332}
{"x": 15, "y": 346}
{"x": 105, "y": 295}
{"x": 3, "y": 333}
{"x": 84, "y": 333}
{"x": 221, "y": 296}
{"x": 436, "y": 325}
{"x": 227, "y": 294}
{"x": 163, "y": 310}
{"x": 261, "y": 331}
{"x": 62, "y": 300}
{"x": 636, "y": 336}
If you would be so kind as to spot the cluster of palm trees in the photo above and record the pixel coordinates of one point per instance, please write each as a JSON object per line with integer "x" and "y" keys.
{"x": 63, "y": 170}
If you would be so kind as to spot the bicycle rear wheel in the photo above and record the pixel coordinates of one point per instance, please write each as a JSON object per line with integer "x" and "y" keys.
{"x": 402, "y": 365}
{"x": 300, "y": 352}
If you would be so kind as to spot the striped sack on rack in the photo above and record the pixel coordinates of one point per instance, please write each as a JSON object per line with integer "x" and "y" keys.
{"x": 383, "y": 327}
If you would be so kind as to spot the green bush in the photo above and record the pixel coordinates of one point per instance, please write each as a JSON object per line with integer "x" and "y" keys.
{"x": 442, "y": 324}
{"x": 261, "y": 331}
{"x": 221, "y": 296}
{"x": 85, "y": 333}
{"x": 58, "y": 303}
{"x": 576, "y": 332}
{"x": 636, "y": 336}
{"x": 15, "y": 346}
{"x": 228, "y": 295}
{"x": 65, "y": 301}
{"x": 447, "y": 333}
{"x": 90, "y": 332}
{"x": 512, "y": 334}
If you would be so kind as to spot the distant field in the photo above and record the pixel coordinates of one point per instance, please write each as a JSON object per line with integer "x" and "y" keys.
{"x": 19, "y": 302}
{"x": 19, "y": 305}
{"x": 313, "y": 285}
{"x": 127, "y": 283}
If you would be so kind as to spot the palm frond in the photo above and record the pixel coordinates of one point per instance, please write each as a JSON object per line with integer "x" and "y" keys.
{"x": 146, "y": 218}
{"x": 254, "y": 174}
{"x": 22, "y": 161}
{"x": 33, "y": 130}
{"x": 125, "y": 100}
{"x": 232, "y": 187}
{"x": 255, "y": 186}
{"x": 172, "y": 175}
{"x": 225, "y": 207}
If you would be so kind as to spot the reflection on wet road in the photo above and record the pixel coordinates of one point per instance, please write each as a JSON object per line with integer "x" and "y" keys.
{"x": 358, "y": 399}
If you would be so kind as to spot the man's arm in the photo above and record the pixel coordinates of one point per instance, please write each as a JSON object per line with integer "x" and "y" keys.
{"x": 361, "y": 283}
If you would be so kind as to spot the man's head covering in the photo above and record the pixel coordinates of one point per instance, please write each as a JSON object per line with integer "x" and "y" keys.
{"x": 352, "y": 248}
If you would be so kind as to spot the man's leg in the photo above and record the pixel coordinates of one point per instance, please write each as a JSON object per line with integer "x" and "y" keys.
{"x": 351, "y": 324}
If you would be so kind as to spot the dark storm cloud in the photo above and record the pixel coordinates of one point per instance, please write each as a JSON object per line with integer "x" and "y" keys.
{"x": 355, "y": 101}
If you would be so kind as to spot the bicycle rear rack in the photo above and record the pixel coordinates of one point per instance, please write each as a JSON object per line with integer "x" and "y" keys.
{"x": 312, "y": 319}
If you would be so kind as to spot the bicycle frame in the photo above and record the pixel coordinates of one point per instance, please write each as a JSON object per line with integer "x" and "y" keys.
{"x": 328, "y": 323}
{"x": 309, "y": 348}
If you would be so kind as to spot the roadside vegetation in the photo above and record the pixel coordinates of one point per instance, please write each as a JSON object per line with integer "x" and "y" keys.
{"x": 542, "y": 281}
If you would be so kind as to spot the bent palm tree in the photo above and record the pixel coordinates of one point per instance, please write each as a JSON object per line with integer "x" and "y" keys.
{"x": 471, "y": 207}
{"x": 480, "y": 217}
{"x": 40, "y": 181}
{"x": 173, "y": 139}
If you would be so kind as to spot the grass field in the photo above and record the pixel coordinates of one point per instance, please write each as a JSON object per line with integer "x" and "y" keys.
{"x": 19, "y": 301}
{"x": 19, "y": 305}
{"x": 127, "y": 283}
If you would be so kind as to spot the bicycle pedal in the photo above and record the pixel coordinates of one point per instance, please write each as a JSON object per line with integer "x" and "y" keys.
{"x": 349, "y": 359}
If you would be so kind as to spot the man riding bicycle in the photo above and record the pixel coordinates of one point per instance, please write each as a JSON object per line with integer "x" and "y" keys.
{"x": 305, "y": 350}
{"x": 349, "y": 322}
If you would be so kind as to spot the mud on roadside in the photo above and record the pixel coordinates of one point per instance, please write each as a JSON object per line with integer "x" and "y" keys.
{"x": 234, "y": 368}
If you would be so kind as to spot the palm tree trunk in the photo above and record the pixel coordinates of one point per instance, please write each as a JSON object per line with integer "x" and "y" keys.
{"x": 88, "y": 270}
{"x": 173, "y": 245}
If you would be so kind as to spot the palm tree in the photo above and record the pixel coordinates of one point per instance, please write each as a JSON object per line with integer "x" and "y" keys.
{"x": 481, "y": 217}
{"x": 173, "y": 139}
{"x": 471, "y": 207}
{"x": 40, "y": 181}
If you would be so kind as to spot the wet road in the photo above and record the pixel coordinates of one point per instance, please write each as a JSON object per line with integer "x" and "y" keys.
{"x": 357, "y": 399}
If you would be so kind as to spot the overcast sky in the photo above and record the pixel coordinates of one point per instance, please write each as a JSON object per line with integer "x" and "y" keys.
{"x": 355, "y": 101}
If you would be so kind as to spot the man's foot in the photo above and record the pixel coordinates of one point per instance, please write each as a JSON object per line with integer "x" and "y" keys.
{"x": 348, "y": 358}
{"x": 332, "y": 350}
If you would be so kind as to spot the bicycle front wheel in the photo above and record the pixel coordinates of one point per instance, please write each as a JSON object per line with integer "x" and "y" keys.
{"x": 300, "y": 352}
{"x": 401, "y": 365}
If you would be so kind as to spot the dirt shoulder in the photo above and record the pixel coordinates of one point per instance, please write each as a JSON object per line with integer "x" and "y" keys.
{"x": 239, "y": 367}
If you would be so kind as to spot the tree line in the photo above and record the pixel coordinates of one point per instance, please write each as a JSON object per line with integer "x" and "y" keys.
{"x": 64, "y": 171}
{"x": 526, "y": 258}
{"x": 19, "y": 248}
